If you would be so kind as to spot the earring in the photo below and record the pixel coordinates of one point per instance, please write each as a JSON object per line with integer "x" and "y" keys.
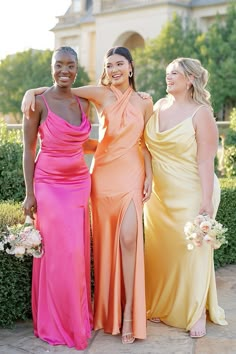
{"x": 130, "y": 73}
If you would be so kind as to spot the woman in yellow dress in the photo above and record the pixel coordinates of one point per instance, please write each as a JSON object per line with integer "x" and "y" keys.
{"x": 121, "y": 183}
{"x": 182, "y": 138}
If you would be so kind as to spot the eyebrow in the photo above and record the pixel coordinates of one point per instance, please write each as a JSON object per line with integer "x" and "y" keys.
{"x": 117, "y": 62}
{"x": 172, "y": 70}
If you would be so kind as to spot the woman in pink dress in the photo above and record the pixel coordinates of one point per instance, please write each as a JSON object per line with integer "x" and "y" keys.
{"x": 57, "y": 193}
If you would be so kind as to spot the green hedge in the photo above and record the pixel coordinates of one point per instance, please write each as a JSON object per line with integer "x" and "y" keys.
{"x": 230, "y": 147}
{"x": 15, "y": 275}
{"x": 11, "y": 173}
{"x": 226, "y": 215}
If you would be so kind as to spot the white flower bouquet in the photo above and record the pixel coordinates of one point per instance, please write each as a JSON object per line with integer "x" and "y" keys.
{"x": 22, "y": 240}
{"x": 204, "y": 229}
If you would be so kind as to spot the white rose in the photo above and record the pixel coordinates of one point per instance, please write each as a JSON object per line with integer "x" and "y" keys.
{"x": 33, "y": 239}
{"x": 208, "y": 238}
{"x": 190, "y": 247}
{"x": 200, "y": 218}
{"x": 189, "y": 228}
{"x": 205, "y": 226}
{"x": 19, "y": 251}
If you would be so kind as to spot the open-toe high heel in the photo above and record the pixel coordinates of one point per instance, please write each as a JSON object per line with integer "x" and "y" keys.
{"x": 155, "y": 320}
{"x": 127, "y": 337}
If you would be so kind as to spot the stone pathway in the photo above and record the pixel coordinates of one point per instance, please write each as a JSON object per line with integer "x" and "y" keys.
{"x": 161, "y": 338}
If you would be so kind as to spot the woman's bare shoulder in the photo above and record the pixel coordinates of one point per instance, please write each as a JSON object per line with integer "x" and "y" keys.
{"x": 159, "y": 103}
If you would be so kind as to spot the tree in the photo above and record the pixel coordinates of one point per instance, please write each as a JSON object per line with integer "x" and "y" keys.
{"x": 178, "y": 38}
{"x": 219, "y": 58}
{"x": 25, "y": 70}
{"x": 216, "y": 49}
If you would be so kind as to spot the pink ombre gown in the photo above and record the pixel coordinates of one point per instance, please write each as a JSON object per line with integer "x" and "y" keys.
{"x": 61, "y": 304}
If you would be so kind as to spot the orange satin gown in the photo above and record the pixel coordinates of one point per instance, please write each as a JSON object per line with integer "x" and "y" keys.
{"x": 117, "y": 180}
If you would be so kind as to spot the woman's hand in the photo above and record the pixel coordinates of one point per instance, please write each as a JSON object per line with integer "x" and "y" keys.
{"x": 147, "y": 189}
{"x": 29, "y": 206}
{"x": 207, "y": 208}
{"x": 144, "y": 95}
{"x": 28, "y": 102}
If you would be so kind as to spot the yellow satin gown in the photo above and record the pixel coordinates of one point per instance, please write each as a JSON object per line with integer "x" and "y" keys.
{"x": 179, "y": 282}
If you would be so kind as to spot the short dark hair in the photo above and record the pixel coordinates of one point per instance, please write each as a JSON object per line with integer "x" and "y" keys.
{"x": 68, "y": 50}
{"x": 124, "y": 52}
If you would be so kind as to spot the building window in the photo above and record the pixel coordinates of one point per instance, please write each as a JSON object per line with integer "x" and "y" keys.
{"x": 89, "y": 3}
{"x": 77, "y": 5}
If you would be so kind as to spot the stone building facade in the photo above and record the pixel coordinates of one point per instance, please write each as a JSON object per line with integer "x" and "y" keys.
{"x": 91, "y": 27}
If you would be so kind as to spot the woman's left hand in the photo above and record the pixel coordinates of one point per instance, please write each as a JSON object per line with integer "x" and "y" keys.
{"x": 147, "y": 190}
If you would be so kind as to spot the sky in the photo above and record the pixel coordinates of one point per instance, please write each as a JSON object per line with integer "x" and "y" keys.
{"x": 26, "y": 24}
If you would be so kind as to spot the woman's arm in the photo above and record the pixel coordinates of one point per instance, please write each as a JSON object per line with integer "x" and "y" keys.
{"x": 95, "y": 94}
{"x": 147, "y": 156}
{"x": 30, "y": 133}
{"x": 147, "y": 190}
{"x": 207, "y": 144}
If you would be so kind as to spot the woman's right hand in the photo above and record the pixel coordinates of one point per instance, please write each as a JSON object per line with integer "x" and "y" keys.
{"x": 207, "y": 208}
{"x": 29, "y": 206}
{"x": 28, "y": 102}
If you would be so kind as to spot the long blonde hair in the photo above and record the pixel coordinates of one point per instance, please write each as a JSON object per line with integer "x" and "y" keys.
{"x": 193, "y": 68}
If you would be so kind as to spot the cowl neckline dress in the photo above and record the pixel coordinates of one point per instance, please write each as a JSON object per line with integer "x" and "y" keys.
{"x": 61, "y": 301}
{"x": 178, "y": 282}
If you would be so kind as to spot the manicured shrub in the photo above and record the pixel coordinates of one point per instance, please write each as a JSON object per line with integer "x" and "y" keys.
{"x": 11, "y": 172}
{"x": 15, "y": 275}
{"x": 230, "y": 161}
{"x": 226, "y": 215}
{"x": 230, "y": 147}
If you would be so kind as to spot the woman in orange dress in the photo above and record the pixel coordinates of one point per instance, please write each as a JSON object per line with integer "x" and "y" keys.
{"x": 121, "y": 183}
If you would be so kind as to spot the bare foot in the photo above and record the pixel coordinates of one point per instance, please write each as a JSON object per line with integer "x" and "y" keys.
{"x": 199, "y": 328}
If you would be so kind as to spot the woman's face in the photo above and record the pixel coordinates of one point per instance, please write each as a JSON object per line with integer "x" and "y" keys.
{"x": 176, "y": 81}
{"x": 117, "y": 70}
{"x": 64, "y": 69}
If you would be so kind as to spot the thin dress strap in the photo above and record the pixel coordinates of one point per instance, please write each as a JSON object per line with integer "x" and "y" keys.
{"x": 46, "y": 104}
{"x": 80, "y": 105}
{"x": 196, "y": 110}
